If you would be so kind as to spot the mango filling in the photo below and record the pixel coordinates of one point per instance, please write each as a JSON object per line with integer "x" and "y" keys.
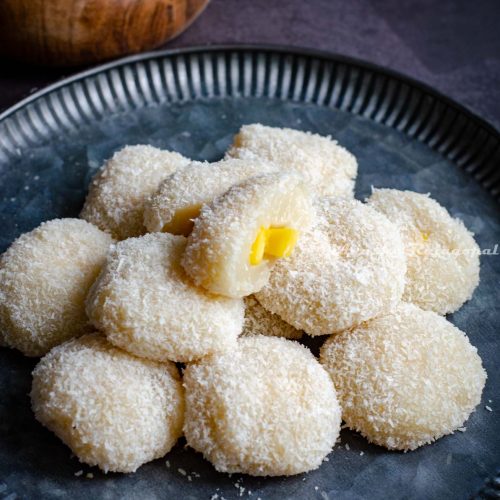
{"x": 273, "y": 242}
{"x": 183, "y": 220}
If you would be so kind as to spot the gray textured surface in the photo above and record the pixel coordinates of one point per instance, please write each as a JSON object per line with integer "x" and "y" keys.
{"x": 452, "y": 45}
{"x": 34, "y": 464}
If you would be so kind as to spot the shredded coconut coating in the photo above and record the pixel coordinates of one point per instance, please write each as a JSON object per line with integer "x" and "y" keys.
{"x": 267, "y": 408}
{"x": 260, "y": 321}
{"x": 218, "y": 249}
{"x": 44, "y": 278}
{"x": 198, "y": 184}
{"x": 112, "y": 409}
{"x": 118, "y": 192}
{"x": 144, "y": 303}
{"x": 405, "y": 379}
{"x": 348, "y": 268}
{"x": 329, "y": 169}
{"x": 442, "y": 256}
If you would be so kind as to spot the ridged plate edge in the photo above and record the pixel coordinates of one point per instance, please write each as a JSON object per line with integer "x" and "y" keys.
{"x": 303, "y": 76}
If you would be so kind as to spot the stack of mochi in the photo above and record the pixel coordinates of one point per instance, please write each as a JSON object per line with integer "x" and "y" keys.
{"x": 174, "y": 304}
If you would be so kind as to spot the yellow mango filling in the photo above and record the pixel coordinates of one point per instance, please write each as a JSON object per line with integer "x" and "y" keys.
{"x": 273, "y": 242}
{"x": 425, "y": 235}
{"x": 237, "y": 141}
{"x": 183, "y": 221}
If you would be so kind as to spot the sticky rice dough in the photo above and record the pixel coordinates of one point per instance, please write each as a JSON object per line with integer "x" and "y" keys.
{"x": 328, "y": 168}
{"x": 118, "y": 192}
{"x": 144, "y": 303}
{"x": 405, "y": 379}
{"x": 267, "y": 408}
{"x": 260, "y": 321}
{"x": 44, "y": 278}
{"x": 442, "y": 256}
{"x": 181, "y": 195}
{"x": 263, "y": 211}
{"x": 348, "y": 268}
{"x": 112, "y": 409}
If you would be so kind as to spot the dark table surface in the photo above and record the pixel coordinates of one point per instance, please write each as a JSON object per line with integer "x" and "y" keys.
{"x": 452, "y": 45}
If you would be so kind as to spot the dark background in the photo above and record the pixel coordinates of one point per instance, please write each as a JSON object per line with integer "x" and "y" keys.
{"x": 452, "y": 45}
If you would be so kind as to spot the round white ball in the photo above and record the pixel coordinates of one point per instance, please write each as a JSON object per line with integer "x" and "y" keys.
{"x": 112, "y": 409}
{"x": 44, "y": 278}
{"x": 328, "y": 168}
{"x": 218, "y": 251}
{"x": 119, "y": 191}
{"x": 442, "y": 256}
{"x": 405, "y": 379}
{"x": 266, "y": 409}
{"x": 260, "y": 321}
{"x": 144, "y": 303}
{"x": 181, "y": 195}
{"x": 349, "y": 268}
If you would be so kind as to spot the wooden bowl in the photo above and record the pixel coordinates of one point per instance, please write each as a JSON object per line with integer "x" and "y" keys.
{"x": 75, "y": 32}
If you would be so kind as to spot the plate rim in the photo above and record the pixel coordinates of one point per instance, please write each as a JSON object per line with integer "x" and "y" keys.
{"x": 286, "y": 49}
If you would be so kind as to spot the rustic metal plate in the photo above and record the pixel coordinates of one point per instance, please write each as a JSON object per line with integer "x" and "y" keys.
{"x": 404, "y": 135}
